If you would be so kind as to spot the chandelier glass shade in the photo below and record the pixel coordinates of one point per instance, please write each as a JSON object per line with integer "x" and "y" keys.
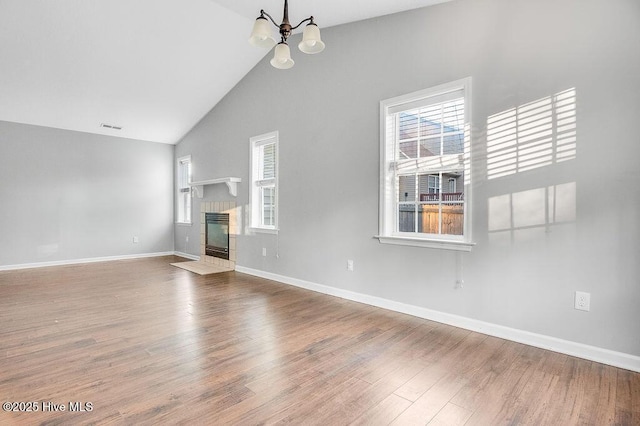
{"x": 282, "y": 57}
{"x": 261, "y": 34}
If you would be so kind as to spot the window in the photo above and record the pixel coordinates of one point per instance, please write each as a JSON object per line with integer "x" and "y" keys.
{"x": 184, "y": 189}
{"x": 264, "y": 182}
{"x": 425, "y": 168}
{"x": 452, "y": 185}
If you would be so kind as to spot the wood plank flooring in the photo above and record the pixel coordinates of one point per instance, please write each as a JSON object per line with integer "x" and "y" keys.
{"x": 147, "y": 343}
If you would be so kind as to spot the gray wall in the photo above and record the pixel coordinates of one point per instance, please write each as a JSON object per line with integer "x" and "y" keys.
{"x": 527, "y": 263}
{"x": 69, "y": 195}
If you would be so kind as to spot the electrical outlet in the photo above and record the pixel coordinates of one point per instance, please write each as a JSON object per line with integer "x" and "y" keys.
{"x": 583, "y": 301}
{"x": 264, "y": 251}
{"x": 136, "y": 240}
{"x": 186, "y": 238}
{"x": 350, "y": 265}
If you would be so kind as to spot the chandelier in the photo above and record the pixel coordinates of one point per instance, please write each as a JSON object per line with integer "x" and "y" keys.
{"x": 261, "y": 37}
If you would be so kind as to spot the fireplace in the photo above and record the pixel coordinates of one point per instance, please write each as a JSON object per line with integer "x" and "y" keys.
{"x": 217, "y": 235}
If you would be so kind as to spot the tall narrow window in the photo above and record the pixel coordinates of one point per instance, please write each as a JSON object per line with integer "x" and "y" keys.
{"x": 264, "y": 182}
{"x": 183, "y": 195}
{"x": 425, "y": 147}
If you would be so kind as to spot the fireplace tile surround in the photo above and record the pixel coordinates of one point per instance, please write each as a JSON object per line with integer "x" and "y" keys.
{"x": 228, "y": 207}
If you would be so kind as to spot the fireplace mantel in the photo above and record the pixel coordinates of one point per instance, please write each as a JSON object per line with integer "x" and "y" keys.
{"x": 232, "y": 183}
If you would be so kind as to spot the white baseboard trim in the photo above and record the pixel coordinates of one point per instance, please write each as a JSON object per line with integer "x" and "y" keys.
{"x": 86, "y": 260}
{"x": 592, "y": 353}
{"x": 186, "y": 255}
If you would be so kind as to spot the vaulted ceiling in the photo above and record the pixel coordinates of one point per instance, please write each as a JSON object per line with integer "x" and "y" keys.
{"x": 152, "y": 67}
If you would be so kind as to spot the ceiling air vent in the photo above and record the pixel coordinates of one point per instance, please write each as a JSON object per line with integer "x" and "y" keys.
{"x": 110, "y": 126}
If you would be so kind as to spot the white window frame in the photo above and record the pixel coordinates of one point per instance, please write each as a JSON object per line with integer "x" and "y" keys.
{"x": 388, "y": 221}
{"x": 184, "y": 212}
{"x": 258, "y": 183}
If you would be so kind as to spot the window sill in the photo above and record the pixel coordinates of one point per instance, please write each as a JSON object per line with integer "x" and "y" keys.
{"x": 264, "y": 230}
{"x": 184, "y": 223}
{"x": 428, "y": 243}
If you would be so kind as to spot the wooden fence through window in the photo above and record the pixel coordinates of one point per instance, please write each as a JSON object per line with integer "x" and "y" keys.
{"x": 452, "y": 218}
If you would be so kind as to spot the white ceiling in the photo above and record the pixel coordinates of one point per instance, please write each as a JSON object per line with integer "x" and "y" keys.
{"x": 153, "y": 67}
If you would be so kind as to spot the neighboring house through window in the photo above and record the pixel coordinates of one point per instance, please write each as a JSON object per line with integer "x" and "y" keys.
{"x": 264, "y": 182}
{"x": 425, "y": 168}
{"x": 183, "y": 195}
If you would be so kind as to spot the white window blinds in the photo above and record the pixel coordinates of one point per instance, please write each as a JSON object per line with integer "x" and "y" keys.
{"x": 430, "y": 136}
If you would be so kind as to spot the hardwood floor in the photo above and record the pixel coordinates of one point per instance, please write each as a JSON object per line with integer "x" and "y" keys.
{"x": 147, "y": 343}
